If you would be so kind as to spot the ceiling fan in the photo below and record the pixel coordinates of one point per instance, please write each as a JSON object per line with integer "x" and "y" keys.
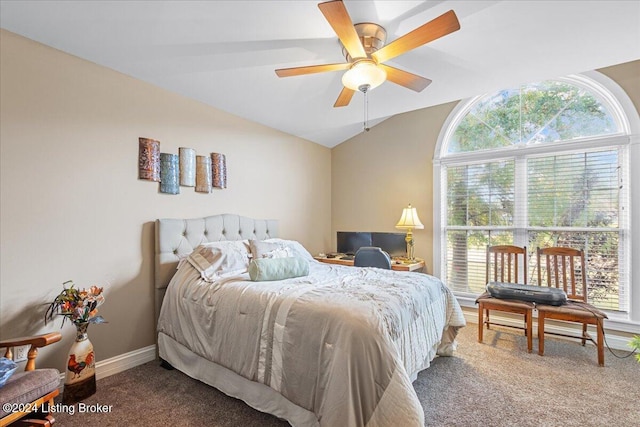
{"x": 365, "y": 52}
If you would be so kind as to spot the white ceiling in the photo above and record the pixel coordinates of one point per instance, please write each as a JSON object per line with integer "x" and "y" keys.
{"x": 224, "y": 53}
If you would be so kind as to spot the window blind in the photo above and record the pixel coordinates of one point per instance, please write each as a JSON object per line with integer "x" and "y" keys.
{"x": 480, "y": 212}
{"x": 574, "y": 201}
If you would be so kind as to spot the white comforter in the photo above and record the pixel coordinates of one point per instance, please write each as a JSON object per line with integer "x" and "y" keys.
{"x": 344, "y": 343}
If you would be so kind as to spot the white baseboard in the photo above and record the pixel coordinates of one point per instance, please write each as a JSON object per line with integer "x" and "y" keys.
{"x": 616, "y": 342}
{"x": 122, "y": 362}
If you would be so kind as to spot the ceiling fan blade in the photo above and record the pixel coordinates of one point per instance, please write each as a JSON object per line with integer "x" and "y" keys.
{"x": 441, "y": 26}
{"x": 340, "y": 21}
{"x": 405, "y": 78}
{"x": 344, "y": 98}
{"x": 311, "y": 69}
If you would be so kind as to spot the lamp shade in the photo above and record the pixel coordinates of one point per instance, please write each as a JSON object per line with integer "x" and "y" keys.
{"x": 409, "y": 219}
{"x": 362, "y": 73}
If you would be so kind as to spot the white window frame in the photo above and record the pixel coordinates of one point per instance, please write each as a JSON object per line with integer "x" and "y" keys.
{"x": 627, "y": 119}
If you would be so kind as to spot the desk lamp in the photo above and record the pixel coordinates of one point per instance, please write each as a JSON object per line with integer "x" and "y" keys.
{"x": 408, "y": 221}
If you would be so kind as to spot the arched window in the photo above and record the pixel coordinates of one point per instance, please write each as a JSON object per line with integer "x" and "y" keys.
{"x": 542, "y": 164}
{"x": 549, "y": 111}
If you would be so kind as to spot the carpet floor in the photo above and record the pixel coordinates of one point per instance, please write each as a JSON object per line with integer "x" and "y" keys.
{"x": 496, "y": 383}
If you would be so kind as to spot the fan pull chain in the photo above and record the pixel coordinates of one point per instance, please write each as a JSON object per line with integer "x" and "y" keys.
{"x": 366, "y": 109}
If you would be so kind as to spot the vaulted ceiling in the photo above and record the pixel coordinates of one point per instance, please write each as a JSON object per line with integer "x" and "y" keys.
{"x": 224, "y": 53}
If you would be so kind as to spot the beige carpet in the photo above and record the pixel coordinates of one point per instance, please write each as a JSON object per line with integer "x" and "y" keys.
{"x": 492, "y": 384}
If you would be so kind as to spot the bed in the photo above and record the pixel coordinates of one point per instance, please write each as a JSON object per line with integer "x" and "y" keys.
{"x": 339, "y": 346}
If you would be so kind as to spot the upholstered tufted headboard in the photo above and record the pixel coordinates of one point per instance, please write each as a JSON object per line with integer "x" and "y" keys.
{"x": 176, "y": 238}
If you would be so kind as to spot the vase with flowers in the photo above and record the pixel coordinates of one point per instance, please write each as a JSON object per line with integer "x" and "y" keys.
{"x": 80, "y": 306}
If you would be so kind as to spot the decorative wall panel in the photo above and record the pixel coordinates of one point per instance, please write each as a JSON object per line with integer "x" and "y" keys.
{"x": 149, "y": 159}
{"x": 169, "y": 173}
{"x": 219, "y": 168}
{"x": 203, "y": 174}
{"x": 187, "y": 166}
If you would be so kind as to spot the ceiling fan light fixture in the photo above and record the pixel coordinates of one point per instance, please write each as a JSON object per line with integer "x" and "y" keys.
{"x": 364, "y": 48}
{"x": 364, "y": 73}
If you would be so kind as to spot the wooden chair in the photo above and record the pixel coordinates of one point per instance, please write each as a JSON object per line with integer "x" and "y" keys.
{"x": 504, "y": 261}
{"x": 562, "y": 266}
{"x": 29, "y": 389}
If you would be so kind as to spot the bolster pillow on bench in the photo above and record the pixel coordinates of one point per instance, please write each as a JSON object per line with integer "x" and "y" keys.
{"x": 269, "y": 269}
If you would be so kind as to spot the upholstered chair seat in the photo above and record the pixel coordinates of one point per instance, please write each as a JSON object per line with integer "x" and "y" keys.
{"x": 27, "y": 386}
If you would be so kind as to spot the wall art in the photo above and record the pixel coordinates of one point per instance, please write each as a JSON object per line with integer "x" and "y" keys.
{"x": 149, "y": 159}
{"x": 169, "y": 173}
{"x": 187, "y": 166}
{"x": 203, "y": 174}
{"x": 219, "y": 168}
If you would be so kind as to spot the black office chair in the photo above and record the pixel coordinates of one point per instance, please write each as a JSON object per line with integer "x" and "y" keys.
{"x": 372, "y": 257}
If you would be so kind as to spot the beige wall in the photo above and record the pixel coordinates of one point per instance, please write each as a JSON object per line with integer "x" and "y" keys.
{"x": 627, "y": 76}
{"x": 376, "y": 173}
{"x": 73, "y": 208}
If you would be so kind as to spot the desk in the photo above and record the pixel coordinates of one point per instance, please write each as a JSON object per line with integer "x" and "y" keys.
{"x": 418, "y": 264}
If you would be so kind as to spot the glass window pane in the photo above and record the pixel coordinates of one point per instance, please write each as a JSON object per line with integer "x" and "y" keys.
{"x": 558, "y": 111}
{"x": 481, "y": 195}
{"x": 601, "y": 253}
{"x": 574, "y": 190}
{"x": 492, "y": 123}
{"x": 547, "y": 111}
{"x": 466, "y": 257}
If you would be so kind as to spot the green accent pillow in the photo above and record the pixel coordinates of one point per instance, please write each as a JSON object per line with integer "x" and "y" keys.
{"x": 269, "y": 269}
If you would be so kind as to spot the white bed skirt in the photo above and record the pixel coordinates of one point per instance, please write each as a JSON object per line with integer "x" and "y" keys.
{"x": 256, "y": 395}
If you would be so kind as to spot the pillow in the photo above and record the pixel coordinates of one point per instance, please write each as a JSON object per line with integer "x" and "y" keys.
{"x": 215, "y": 259}
{"x": 293, "y": 247}
{"x": 261, "y": 249}
{"x": 269, "y": 269}
{"x": 7, "y": 368}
